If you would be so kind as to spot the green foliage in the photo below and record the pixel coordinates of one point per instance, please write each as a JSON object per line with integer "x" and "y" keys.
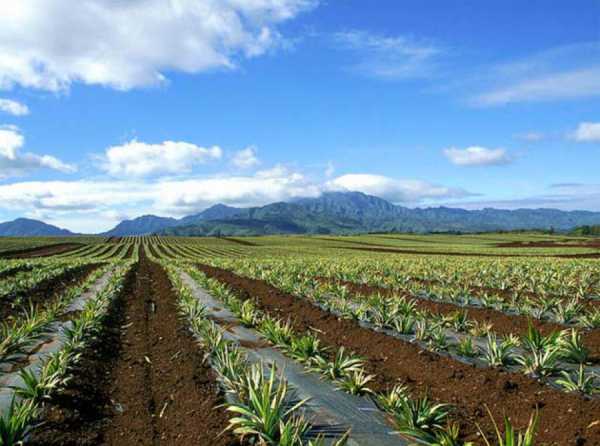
{"x": 511, "y": 437}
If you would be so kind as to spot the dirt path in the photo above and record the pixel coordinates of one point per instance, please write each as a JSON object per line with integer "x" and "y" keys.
{"x": 467, "y": 388}
{"x": 151, "y": 385}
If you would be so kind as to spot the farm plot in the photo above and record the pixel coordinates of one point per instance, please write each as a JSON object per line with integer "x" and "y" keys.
{"x": 300, "y": 341}
{"x": 143, "y": 379}
{"x": 467, "y": 389}
{"x": 150, "y": 384}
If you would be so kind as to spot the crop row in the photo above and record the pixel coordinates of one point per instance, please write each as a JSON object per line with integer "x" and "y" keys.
{"x": 24, "y": 281}
{"x": 574, "y": 310}
{"x": 54, "y": 371}
{"x": 17, "y": 335}
{"x": 415, "y": 417}
{"x": 538, "y": 356}
{"x": 262, "y": 405}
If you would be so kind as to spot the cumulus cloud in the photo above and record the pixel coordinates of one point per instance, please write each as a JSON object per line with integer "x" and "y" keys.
{"x": 103, "y": 200}
{"x": 184, "y": 197}
{"x": 477, "y": 156}
{"x": 246, "y": 158}
{"x": 15, "y": 163}
{"x": 94, "y": 205}
{"x": 134, "y": 43}
{"x": 394, "y": 190}
{"x": 587, "y": 132}
{"x": 13, "y": 107}
{"x": 388, "y": 57}
{"x": 139, "y": 159}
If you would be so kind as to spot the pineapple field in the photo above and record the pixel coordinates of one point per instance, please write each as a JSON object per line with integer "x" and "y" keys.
{"x": 380, "y": 339}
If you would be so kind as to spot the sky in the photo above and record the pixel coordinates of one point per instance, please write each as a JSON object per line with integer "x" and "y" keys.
{"x": 111, "y": 109}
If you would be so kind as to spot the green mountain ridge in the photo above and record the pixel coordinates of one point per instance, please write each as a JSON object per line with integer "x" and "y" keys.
{"x": 26, "y": 227}
{"x": 331, "y": 213}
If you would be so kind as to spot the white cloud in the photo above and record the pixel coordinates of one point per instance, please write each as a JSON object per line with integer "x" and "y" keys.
{"x": 139, "y": 159}
{"x": 183, "y": 197}
{"x": 103, "y": 201}
{"x": 394, "y": 190}
{"x": 48, "y": 44}
{"x": 15, "y": 163}
{"x": 388, "y": 57}
{"x": 95, "y": 205}
{"x": 279, "y": 170}
{"x": 587, "y": 132}
{"x": 477, "y": 156}
{"x": 566, "y": 85}
{"x": 246, "y": 158}
{"x": 563, "y": 196}
{"x": 13, "y": 107}
{"x": 561, "y": 73}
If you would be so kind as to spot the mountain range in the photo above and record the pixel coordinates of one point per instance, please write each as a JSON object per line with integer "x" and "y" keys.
{"x": 25, "y": 227}
{"x": 331, "y": 213}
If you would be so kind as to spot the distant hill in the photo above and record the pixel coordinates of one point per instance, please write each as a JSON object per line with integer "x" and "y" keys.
{"x": 333, "y": 213}
{"x": 216, "y": 212}
{"x": 146, "y": 224}
{"x": 25, "y": 227}
{"x": 355, "y": 212}
{"x": 151, "y": 224}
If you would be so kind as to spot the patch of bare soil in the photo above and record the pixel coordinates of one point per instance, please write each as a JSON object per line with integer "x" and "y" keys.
{"x": 566, "y": 419}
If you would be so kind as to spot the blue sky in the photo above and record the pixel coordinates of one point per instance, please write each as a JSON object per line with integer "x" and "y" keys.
{"x": 168, "y": 107}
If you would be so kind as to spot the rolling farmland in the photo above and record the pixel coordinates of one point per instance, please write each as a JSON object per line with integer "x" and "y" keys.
{"x": 300, "y": 340}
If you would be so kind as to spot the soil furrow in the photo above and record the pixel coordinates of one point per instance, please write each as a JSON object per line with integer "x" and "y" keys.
{"x": 467, "y": 388}
{"x": 129, "y": 253}
{"x": 166, "y": 392}
{"x": 503, "y": 324}
{"x": 152, "y": 386}
{"x": 41, "y": 251}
